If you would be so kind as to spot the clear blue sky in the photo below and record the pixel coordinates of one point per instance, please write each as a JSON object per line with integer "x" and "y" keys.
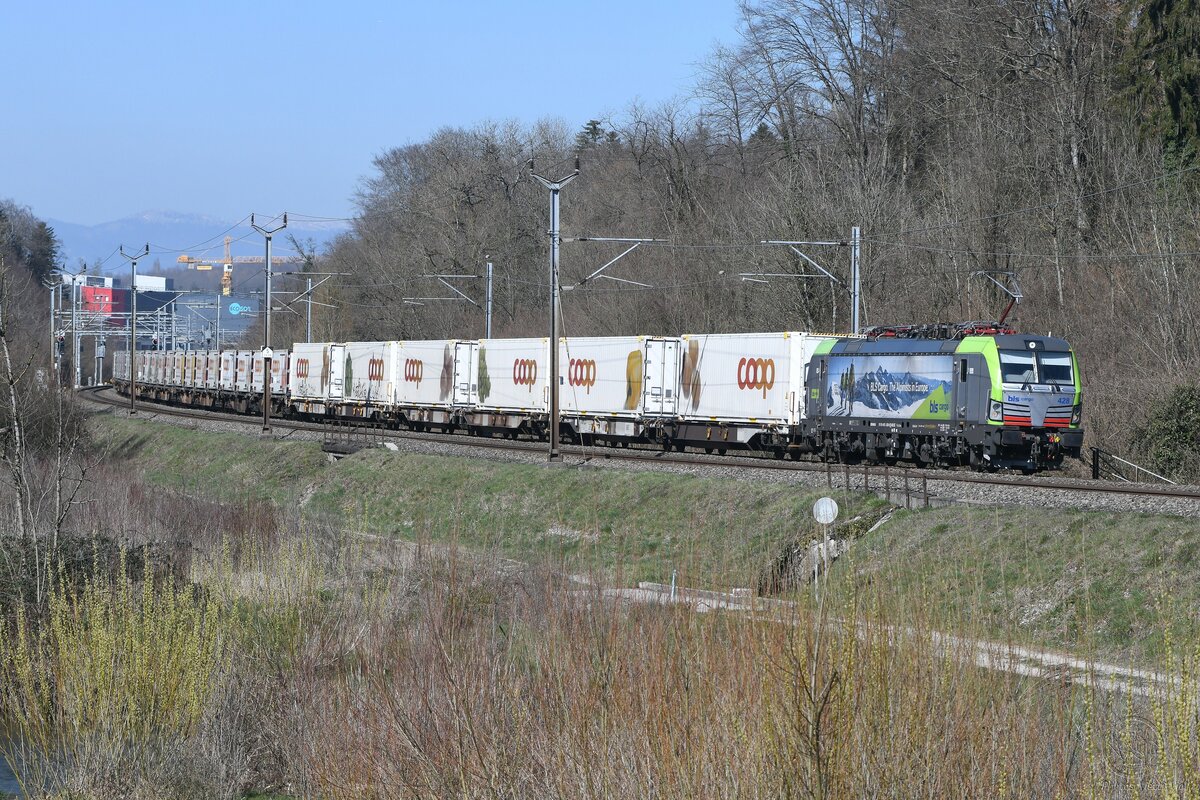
{"x": 223, "y": 108}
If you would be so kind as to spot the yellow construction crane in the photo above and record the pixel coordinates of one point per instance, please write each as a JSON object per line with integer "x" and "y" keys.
{"x": 202, "y": 264}
{"x": 228, "y": 262}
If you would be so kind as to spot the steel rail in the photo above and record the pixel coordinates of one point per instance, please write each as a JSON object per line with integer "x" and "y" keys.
{"x": 865, "y": 474}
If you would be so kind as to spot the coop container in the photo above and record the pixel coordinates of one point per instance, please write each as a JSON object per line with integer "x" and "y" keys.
{"x": 369, "y": 369}
{"x": 745, "y": 377}
{"x": 227, "y": 378}
{"x": 212, "y": 369}
{"x": 178, "y": 359}
{"x": 437, "y": 373}
{"x": 245, "y": 371}
{"x": 308, "y": 370}
{"x": 513, "y": 374}
{"x": 618, "y": 376}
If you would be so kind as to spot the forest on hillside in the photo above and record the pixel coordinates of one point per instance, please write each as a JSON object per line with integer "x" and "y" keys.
{"x": 1052, "y": 139}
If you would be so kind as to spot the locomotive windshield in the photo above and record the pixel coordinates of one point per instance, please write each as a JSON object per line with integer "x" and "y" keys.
{"x": 1036, "y": 366}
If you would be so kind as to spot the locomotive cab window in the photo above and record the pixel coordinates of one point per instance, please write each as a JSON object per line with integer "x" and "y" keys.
{"x": 1017, "y": 366}
{"x": 1056, "y": 368}
{"x": 1036, "y": 367}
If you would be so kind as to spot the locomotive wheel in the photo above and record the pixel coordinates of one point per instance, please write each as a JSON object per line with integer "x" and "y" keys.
{"x": 722, "y": 451}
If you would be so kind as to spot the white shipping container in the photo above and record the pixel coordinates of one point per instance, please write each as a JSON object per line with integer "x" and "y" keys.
{"x": 256, "y": 373}
{"x": 245, "y": 371}
{"x": 438, "y": 373}
{"x": 745, "y": 377}
{"x": 279, "y": 371}
{"x": 190, "y": 359}
{"x": 513, "y": 374}
{"x": 308, "y": 370}
{"x": 177, "y": 360}
{"x": 278, "y": 367}
{"x": 212, "y": 369}
{"x": 370, "y": 367}
{"x": 618, "y": 376}
{"x": 227, "y": 380}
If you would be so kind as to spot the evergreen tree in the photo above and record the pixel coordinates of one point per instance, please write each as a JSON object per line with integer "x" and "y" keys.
{"x": 42, "y": 255}
{"x": 1162, "y": 66}
{"x": 590, "y": 136}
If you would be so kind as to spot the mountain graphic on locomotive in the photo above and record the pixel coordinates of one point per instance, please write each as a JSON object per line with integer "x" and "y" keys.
{"x": 977, "y": 395}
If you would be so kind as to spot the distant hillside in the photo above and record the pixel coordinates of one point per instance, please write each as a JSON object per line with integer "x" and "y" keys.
{"x": 195, "y": 234}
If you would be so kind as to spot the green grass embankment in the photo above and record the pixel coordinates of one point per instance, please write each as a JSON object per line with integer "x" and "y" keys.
{"x": 1094, "y": 583}
{"x": 625, "y": 525}
{"x": 1098, "y": 583}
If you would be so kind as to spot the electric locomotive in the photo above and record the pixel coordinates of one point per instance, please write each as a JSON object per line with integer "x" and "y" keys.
{"x": 989, "y": 401}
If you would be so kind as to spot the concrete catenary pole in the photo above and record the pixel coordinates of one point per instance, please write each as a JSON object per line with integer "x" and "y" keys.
{"x": 308, "y": 312}
{"x": 53, "y": 339}
{"x": 101, "y": 346}
{"x": 855, "y": 282}
{"x": 133, "y": 259}
{"x": 555, "y": 187}
{"x": 487, "y": 327}
{"x": 76, "y": 367}
{"x": 267, "y": 234}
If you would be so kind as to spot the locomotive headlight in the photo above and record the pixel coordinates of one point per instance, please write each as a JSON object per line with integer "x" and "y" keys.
{"x": 1077, "y": 414}
{"x": 997, "y": 410}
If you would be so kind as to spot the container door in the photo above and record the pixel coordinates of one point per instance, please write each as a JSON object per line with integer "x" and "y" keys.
{"x": 337, "y": 371}
{"x": 661, "y": 369}
{"x": 466, "y": 373}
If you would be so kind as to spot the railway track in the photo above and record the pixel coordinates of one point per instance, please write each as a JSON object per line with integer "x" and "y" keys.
{"x": 925, "y": 485}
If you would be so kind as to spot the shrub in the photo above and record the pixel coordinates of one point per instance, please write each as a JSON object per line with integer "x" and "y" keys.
{"x": 114, "y": 677}
{"x": 1170, "y": 437}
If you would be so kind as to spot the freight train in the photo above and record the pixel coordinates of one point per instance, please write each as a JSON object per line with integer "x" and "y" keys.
{"x": 987, "y": 399}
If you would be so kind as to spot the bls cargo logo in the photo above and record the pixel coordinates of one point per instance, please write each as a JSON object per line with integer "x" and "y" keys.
{"x": 375, "y": 369}
{"x": 301, "y": 367}
{"x": 756, "y": 373}
{"x": 582, "y": 372}
{"x": 414, "y": 370}
{"x": 525, "y": 372}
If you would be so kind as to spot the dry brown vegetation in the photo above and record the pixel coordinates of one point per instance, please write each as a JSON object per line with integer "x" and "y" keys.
{"x": 255, "y": 653}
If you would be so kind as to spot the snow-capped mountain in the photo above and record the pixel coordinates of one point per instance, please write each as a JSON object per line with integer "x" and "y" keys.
{"x": 881, "y": 390}
{"x": 172, "y": 233}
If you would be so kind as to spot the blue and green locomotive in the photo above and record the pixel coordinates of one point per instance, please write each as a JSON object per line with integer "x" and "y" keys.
{"x": 997, "y": 401}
